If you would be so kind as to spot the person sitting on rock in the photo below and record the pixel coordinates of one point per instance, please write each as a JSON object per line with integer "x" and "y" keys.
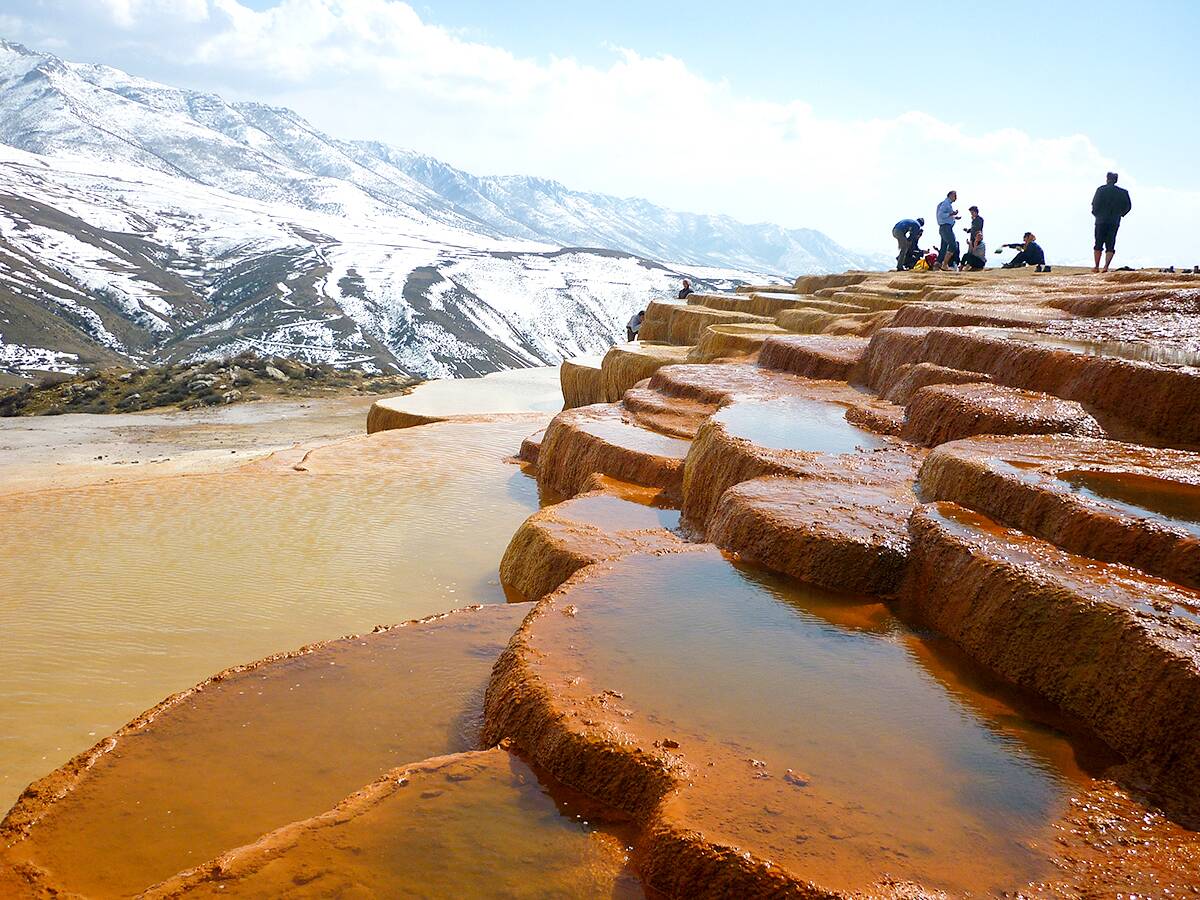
{"x": 907, "y": 233}
{"x": 976, "y": 256}
{"x": 634, "y": 326}
{"x": 686, "y": 290}
{"x": 1031, "y": 253}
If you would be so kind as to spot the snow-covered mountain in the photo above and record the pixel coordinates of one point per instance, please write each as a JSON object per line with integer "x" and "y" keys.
{"x": 144, "y": 222}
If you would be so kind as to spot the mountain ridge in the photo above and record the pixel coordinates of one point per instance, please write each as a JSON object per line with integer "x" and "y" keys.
{"x": 146, "y": 223}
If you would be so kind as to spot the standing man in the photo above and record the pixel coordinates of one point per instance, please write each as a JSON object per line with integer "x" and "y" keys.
{"x": 686, "y": 290}
{"x": 976, "y": 228}
{"x": 907, "y": 233}
{"x": 1109, "y": 206}
{"x": 947, "y": 215}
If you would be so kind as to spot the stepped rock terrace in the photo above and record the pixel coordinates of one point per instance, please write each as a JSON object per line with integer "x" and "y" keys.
{"x": 880, "y": 585}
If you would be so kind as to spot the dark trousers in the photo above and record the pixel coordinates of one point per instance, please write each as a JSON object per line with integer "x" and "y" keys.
{"x": 1024, "y": 258}
{"x": 904, "y": 244}
{"x": 947, "y": 248}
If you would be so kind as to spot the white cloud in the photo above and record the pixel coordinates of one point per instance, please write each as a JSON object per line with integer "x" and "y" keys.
{"x": 646, "y": 126}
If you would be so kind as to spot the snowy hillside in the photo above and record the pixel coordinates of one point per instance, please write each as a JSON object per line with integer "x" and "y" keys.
{"x": 101, "y": 263}
{"x": 144, "y": 222}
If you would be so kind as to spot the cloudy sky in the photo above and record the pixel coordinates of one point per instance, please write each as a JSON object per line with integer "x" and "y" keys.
{"x": 842, "y": 117}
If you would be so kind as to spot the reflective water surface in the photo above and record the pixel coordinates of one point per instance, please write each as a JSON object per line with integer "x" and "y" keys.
{"x": 797, "y": 424}
{"x": 516, "y": 390}
{"x": 824, "y": 734}
{"x": 475, "y": 825}
{"x": 1172, "y": 502}
{"x": 611, "y": 514}
{"x": 259, "y": 749}
{"x": 1138, "y": 351}
{"x": 113, "y": 596}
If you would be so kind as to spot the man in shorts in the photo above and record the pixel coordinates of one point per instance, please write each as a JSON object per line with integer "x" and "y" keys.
{"x": 1109, "y": 205}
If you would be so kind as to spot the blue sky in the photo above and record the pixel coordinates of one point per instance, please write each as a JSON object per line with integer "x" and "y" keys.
{"x": 1046, "y": 67}
{"x": 842, "y": 117}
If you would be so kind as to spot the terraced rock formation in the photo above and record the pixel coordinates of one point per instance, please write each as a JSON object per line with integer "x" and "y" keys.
{"x": 884, "y": 585}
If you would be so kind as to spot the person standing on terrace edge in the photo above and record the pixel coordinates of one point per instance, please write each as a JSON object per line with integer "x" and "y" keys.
{"x": 1110, "y": 204}
{"x": 686, "y": 291}
{"x": 907, "y": 233}
{"x": 947, "y": 215}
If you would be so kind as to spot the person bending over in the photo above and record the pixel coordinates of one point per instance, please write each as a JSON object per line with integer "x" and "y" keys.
{"x": 634, "y": 326}
{"x": 907, "y": 233}
{"x": 1109, "y": 205}
{"x": 1029, "y": 253}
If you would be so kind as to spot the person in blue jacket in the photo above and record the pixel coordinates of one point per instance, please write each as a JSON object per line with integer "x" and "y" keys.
{"x": 947, "y": 215}
{"x": 907, "y": 233}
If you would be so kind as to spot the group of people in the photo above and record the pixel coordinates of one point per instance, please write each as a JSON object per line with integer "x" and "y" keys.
{"x": 1110, "y": 204}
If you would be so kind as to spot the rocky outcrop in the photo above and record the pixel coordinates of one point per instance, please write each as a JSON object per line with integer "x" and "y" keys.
{"x": 1145, "y": 513}
{"x": 1117, "y": 650}
{"x": 832, "y": 532}
{"x": 556, "y": 542}
{"x": 627, "y": 364}
{"x": 1160, "y": 401}
{"x": 946, "y": 412}
{"x": 597, "y": 439}
{"x": 813, "y": 356}
{"x": 582, "y": 384}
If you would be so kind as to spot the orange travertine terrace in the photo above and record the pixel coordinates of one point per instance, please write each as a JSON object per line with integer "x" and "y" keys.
{"x": 878, "y": 585}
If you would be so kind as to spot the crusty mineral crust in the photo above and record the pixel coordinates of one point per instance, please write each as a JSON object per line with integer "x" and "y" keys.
{"x": 1015, "y": 481}
{"x": 726, "y": 341}
{"x": 554, "y": 543}
{"x": 946, "y": 412}
{"x": 38, "y": 840}
{"x": 951, "y": 315}
{"x": 1160, "y": 401}
{"x": 626, "y": 364}
{"x": 531, "y": 447}
{"x": 580, "y": 753}
{"x": 910, "y": 378}
{"x": 597, "y": 439}
{"x": 813, "y": 356}
{"x": 582, "y": 385}
{"x": 844, "y": 536}
{"x": 687, "y": 323}
{"x": 717, "y": 461}
{"x": 1117, "y": 650}
{"x": 658, "y": 316}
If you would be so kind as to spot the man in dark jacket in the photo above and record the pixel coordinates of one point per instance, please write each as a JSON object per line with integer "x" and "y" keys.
{"x": 1030, "y": 253}
{"x": 1109, "y": 206}
{"x": 907, "y": 233}
{"x": 686, "y": 291}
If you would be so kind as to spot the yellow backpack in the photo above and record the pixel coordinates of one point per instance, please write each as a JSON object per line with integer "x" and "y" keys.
{"x": 921, "y": 266}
